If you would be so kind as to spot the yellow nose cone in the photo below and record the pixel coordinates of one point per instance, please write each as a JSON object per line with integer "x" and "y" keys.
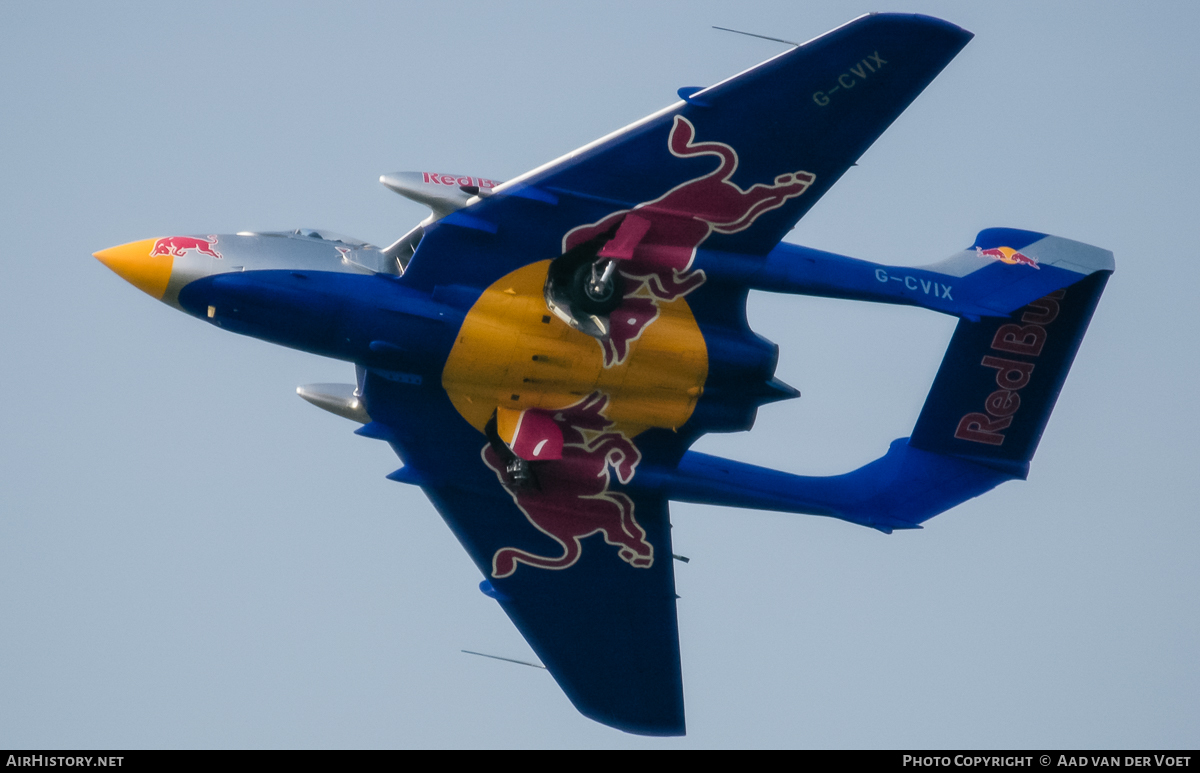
{"x": 135, "y": 263}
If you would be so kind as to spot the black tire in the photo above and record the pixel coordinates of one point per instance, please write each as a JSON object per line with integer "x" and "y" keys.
{"x": 585, "y": 302}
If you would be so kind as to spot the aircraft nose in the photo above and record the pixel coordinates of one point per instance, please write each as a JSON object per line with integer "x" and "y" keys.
{"x": 137, "y": 265}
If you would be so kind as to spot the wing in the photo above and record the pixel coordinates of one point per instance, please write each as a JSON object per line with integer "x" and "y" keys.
{"x": 580, "y": 557}
{"x": 581, "y": 566}
{"x": 757, "y": 149}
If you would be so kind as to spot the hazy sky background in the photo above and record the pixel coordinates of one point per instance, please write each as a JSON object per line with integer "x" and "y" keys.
{"x": 191, "y": 556}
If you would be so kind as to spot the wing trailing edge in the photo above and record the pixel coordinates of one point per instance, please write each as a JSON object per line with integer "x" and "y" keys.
{"x": 560, "y": 557}
{"x": 810, "y": 112}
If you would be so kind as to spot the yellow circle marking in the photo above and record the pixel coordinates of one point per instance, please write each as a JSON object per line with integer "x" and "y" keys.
{"x": 509, "y": 355}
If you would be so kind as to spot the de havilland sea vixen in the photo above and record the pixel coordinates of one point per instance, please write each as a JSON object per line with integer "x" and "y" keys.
{"x": 542, "y": 352}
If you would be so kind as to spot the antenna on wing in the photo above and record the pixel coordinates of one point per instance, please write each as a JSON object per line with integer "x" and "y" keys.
{"x": 753, "y": 35}
{"x": 509, "y": 660}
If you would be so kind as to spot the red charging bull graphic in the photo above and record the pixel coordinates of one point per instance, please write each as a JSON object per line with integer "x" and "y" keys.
{"x": 178, "y": 245}
{"x": 680, "y": 221}
{"x": 1008, "y": 255}
{"x": 572, "y": 500}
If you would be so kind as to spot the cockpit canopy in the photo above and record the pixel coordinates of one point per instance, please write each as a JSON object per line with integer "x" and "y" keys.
{"x": 325, "y": 235}
{"x": 355, "y": 252}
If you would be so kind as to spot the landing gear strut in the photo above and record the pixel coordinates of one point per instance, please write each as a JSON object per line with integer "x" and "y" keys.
{"x": 597, "y": 288}
{"x": 517, "y": 472}
{"x": 582, "y": 288}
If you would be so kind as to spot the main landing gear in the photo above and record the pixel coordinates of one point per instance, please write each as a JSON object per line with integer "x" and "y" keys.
{"x": 597, "y": 288}
{"x": 582, "y": 288}
{"x": 517, "y": 472}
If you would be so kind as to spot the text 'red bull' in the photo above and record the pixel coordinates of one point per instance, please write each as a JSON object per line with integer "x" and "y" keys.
{"x": 1012, "y": 375}
{"x": 680, "y": 220}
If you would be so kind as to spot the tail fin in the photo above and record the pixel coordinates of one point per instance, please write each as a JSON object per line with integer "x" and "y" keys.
{"x": 1000, "y": 377}
{"x": 980, "y": 425}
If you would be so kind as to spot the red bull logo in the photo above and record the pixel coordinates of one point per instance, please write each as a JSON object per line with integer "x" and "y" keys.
{"x": 1007, "y": 255}
{"x": 572, "y": 499}
{"x": 660, "y": 269}
{"x": 178, "y": 245}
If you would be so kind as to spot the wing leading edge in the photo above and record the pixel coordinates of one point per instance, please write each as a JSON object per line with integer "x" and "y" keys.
{"x": 580, "y": 557}
{"x": 580, "y": 565}
{"x": 810, "y": 112}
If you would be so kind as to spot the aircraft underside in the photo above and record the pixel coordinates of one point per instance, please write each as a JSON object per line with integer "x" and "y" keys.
{"x": 541, "y": 353}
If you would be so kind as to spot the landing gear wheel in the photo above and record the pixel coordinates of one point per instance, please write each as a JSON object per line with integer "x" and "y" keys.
{"x": 518, "y": 474}
{"x": 584, "y": 299}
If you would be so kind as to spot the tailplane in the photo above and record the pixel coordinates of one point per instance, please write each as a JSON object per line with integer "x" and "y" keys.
{"x": 983, "y": 418}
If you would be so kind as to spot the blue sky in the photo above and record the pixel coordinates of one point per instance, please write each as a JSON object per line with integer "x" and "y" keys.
{"x": 191, "y": 556}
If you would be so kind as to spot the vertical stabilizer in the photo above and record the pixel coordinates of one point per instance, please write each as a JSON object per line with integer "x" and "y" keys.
{"x": 1001, "y": 376}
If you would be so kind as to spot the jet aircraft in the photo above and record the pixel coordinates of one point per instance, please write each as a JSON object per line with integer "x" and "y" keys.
{"x": 541, "y": 352}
